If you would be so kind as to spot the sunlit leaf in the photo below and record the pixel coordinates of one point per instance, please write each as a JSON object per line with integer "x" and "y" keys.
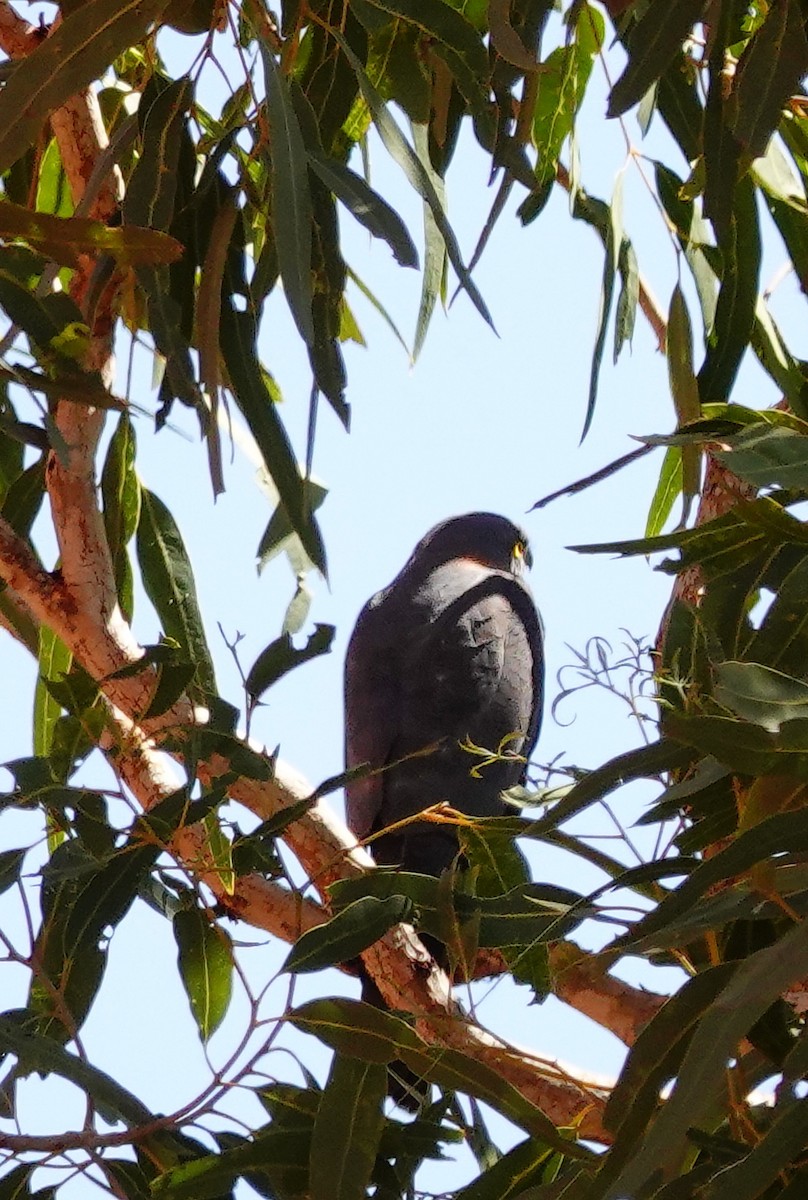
{"x": 169, "y": 583}
{"x": 205, "y": 959}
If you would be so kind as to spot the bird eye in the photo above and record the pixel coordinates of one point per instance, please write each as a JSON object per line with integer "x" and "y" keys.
{"x": 521, "y": 556}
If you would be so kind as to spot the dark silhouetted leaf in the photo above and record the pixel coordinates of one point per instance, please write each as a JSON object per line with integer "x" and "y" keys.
{"x": 653, "y": 43}
{"x": 281, "y": 656}
{"x": 291, "y": 200}
{"x": 769, "y": 72}
{"x": 258, "y": 406}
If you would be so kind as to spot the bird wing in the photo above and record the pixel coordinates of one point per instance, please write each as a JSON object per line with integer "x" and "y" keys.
{"x": 477, "y": 667}
{"x": 371, "y": 714}
{"x": 459, "y": 656}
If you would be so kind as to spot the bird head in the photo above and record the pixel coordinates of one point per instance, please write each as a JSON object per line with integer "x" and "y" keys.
{"x": 488, "y": 538}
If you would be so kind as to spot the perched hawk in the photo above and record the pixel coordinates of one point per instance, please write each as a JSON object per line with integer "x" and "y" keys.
{"x": 450, "y": 654}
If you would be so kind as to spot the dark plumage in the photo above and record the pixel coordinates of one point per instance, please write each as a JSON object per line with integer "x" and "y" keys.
{"x": 450, "y": 651}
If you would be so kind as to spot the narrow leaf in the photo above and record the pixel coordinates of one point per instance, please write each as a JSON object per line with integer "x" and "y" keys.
{"x": 367, "y": 207}
{"x": 669, "y": 486}
{"x": 205, "y": 959}
{"x": 512, "y": 1175}
{"x": 654, "y": 42}
{"x": 614, "y": 240}
{"x": 54, "y": 663}
{"x": 291, "y": 199}
{"x": 281, "y": 656}
{"x": 769, "y": 72}
{"x": 354, "y": 1028}
{"x": 347, "y": 934}
{"x": 347, "y": 1130}
{"x": 169, "y": 582}
{"x": 400, "y": 150}
{"x": 258, "y": 407}
{"x": 758, "y": 981}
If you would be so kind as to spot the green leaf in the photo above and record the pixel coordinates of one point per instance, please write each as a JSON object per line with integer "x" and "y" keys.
{"x": 684, "y": 389}
{"x": 165, "y": 323}
{"x": 515, "y": 1172}
{"x": 24, "y": 497}
{"x": 77, "y": 52}
{"x": 347, "y": 934}
{"x": 120, "y": 490}
{"x": 783, "y": 1143}
{"x": 767, "y": 456}
{"x": 626, "y": 314}
{"x": 643, "y": 763}
{"x": 526, "y": 915}
{"x": 433, "y": 282}
{"x": 281, "y": 656}
{"x": 779, "y": 834}
{"x": 653, "y": 43}
{"x": 46, "y": 1056}
{"x": 367, "y": 206}
{"x": 354, "y": 1028}
{"x": 760, "y": 694}
{"x": 55, "y": 661}
{"x": 454, "y": 39}
{"x": 64, "y": 238}
{"x": 205, "y": 960}
{"x": 151, "y": 193}
{"x": 748, "y": 749}
{"x": 211, "y": 1176}
{"x": 401, "y": 152}
{"x": 657, "y": 1053}
{"x": 669, "y": 486}
{"x": 279, "y": 536}
{"x": 381, "y": 310}
{"x": 10, "y": 865}
{"x": 757, "y": 982}
{"x": 347, "y": 1130}
{"x": 53, "y": 322}
{"x": 80, "y": 899}
{"x": 564, "y": 76}
{"x": 769, "y": 72}
{"x": 782, "y": 638}
{"x": 614, "y": 240}
{"x": 737, "y": 299}
{"x": 291, "y": 198}
{"x": 258, "y": 407}
{"x": 169, "y": 582}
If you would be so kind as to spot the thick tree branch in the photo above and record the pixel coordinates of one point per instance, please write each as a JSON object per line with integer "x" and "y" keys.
{"x": 17, "y": 36}
{"x": 405, "y": 974}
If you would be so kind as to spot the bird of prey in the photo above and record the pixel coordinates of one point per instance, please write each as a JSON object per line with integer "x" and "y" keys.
{"x": 449, "y": 654}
